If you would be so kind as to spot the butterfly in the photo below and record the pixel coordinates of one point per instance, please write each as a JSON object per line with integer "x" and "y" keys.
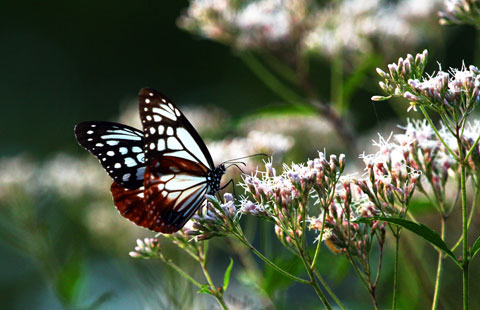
{"x": 161, "y": 173}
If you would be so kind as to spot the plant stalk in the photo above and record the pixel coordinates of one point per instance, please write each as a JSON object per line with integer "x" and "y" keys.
{"x": 441, "y": 258}
{"x": 395, "y": 271}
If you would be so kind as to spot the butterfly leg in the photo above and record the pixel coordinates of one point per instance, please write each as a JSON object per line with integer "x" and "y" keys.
{"x": 233, "y": 187}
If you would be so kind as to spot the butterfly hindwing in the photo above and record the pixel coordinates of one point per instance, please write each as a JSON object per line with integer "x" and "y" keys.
{"x": 174, "y": 190}
{"x": 118, "y": 147}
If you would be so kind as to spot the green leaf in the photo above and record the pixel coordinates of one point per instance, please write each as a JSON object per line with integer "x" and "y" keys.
{"x": 205, "y": 290}
{"x": 70, "y": 279}
{"x": 419, "y": 229}
{"x": 226, "y": 277}
{"x": 475, "y": 247}
{"x": 273, "y": 281}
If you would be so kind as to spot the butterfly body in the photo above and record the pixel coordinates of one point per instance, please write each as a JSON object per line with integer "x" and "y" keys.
{"x": 164, "y": 184}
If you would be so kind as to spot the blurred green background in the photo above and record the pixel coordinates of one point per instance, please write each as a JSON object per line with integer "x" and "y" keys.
{"x": 63, "y": 62}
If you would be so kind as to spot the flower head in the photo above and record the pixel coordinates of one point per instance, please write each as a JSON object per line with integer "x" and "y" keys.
{"x": 147, "y": 248}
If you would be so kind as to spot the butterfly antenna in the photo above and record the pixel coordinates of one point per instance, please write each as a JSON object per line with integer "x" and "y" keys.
{"x": 236, "y": 165}
{"x": 253, "y": 155}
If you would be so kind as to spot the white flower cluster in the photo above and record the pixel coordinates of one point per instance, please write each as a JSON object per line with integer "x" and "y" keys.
{"x": 347, "y": 25}
{"x": 355, "y": 26}
{"x": 65, "y": 175}
{"x": 248, "y": 24}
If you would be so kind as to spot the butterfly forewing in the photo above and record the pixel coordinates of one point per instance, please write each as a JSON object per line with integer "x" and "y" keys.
{"x": 167, "y": 130}
{"x": 119, "y": 148}
{"x": 178, "y": 163}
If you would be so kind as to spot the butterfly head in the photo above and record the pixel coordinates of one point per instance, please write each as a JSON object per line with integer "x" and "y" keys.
{"x": 214, "y": 177}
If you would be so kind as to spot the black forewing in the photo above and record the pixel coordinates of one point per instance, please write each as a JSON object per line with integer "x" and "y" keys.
{"x": 118, "y": 147}
{"x": 158, "y": 113}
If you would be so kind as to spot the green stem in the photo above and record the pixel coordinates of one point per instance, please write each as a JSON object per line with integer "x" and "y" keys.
{"x": 183, "y": 273}
{"x": 313, "y": 280}
{"x": 470, "y": 151}
{"x": 328, "y": 289}
{"x": 437, "y": 133}
{"x": 470, "y": 217}
{"x": 243, "y": 240}
{"x": 438, "y": 278}
{"x": 216, "y": 293}
{"x": 395, "y": 271}
{"x": 319, "y": 241}
{"x": 465, "y": 230}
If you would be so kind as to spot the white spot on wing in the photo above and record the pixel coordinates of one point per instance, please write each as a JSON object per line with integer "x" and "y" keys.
{"x": 126, "y": 176}
{"x": 140, "y": 173}
{"x": 161, "y": 145}
{"x": 182, "y": 154}
{"x": 182, "y": 181}
{"x": 130, "y": 162}
{"x": 112, "y": 142}
{"x": 110, "y": 153}
{"x": 191, "y": 145}
{"x": 122, "y": 137}
{"x": 173, "y": 144}
{"x": 166, "y": 177}
{"x": 157, "y": 118}
{"x": 136, "y": 149}
{"x": 123, "y": 150}
{"x": 170, "y": 131}
{"x": 164, "y": 113}
{"x": 173, "y": 195}
{"x": 161, "y": 129}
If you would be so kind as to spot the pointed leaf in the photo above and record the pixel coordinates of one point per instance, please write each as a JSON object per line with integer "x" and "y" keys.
{"x": 205, "y": 290}
{"x": 475, "y": 247}
{"x": 419, "y": 229}
{"x": 226, "y": 277}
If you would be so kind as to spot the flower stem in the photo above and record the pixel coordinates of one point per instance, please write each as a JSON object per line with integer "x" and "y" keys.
{"x": 472, "y": 210}
{"x": 438, "y": 278}
{"x": 470, "y": 151}
{"x": 243, "y": 240}
{"x": 183, "y": 273}
{"x": 463, "y": 187}
{"x": 437, "y": 133}
{"x": 395, "y": 271}
{"x": 465, "y": 231}
{"x": 216, "y": 293}
{"x": 328, "y": 289}
{"x": 313, "y": 280}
